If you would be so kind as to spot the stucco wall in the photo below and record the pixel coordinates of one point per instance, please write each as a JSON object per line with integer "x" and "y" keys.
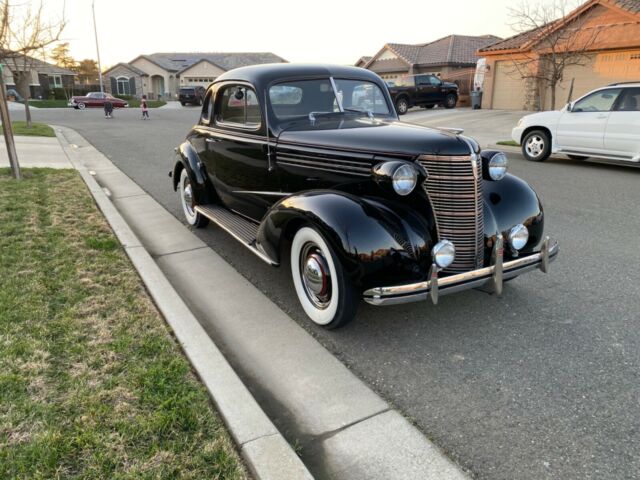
{"x": 120, "y": 71}
{"x": 152, "y": 69}
{"x": 202, "y": 73}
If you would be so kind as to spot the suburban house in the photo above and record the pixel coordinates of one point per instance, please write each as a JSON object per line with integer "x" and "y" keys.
{"x": 362, "y": 61}
{"x": 451, "y": 57}
{"x": 161, "y": 75}
{"x": 44, "y": 76}
{"x": 610, "y": 30}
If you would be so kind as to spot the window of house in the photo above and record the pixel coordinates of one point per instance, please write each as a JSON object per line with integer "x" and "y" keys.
{"x": 55, "y": 81}
{"x": 123, "y": 86}
{"x": 238, "y": 105}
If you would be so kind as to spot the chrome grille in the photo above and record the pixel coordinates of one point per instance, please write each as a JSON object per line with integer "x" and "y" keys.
{"x": 454, "y": 187}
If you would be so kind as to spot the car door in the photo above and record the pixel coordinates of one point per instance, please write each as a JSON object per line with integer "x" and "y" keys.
{"x": 425, "y": 90}
{"x": 581, "y": 128}
{"x": 622, "y": 134}
{"x": 238, "y": 152}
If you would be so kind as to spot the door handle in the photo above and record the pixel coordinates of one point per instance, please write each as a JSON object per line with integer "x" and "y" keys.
{"x": 212, "y": 140}
{"x": 600, "y": 117}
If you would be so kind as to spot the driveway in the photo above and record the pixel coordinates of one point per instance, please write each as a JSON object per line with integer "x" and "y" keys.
{"x": 540, "y": 383}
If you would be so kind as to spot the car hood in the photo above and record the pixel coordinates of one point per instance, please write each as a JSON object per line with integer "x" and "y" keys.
{"x": 542, "y": 118}
{"x": 377, "y": 137}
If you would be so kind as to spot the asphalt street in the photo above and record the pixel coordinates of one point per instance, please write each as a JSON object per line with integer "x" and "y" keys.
{"x": 540, "y": 383}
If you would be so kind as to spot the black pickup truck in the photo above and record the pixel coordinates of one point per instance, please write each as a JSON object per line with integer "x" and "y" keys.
{"x": 425, "y": 90}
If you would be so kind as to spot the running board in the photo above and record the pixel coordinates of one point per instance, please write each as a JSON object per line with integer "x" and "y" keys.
{"x": 243, "y": 230}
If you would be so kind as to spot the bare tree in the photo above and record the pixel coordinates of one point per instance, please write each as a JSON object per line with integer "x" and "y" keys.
{"x": 24, "y": 35}
{"x": 554, "y": 39}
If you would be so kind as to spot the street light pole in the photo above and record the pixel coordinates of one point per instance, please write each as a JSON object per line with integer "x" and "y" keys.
{"x": 95, "y": 31}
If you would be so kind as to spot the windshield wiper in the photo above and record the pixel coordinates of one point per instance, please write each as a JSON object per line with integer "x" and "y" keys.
{"x": 369, "y": 113}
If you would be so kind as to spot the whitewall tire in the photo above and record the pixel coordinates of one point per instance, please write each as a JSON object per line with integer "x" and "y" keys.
{"x": 324, "y": 290}
{"x": 187, "y": 200}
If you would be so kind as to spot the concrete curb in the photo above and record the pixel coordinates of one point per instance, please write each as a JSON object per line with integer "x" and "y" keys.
{"x": 344, "y": 429}
{"x": 504, "y": 148}
{"x": 264, "y": 449}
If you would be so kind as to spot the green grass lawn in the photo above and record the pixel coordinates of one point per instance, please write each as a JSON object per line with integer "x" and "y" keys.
{"x": 48, "y": 103}
{"x": 508, "y": 143}
{"x": 92, "y": 383}
{"x": 135, "y": 103}
{"x": 36, "y": 130}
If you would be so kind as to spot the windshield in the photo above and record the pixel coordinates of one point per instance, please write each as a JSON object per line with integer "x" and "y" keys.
{"x": 303, "y": 98}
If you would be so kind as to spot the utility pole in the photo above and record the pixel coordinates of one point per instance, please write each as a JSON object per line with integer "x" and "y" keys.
{"x": 95, "y": 31}
{"x": 7, "y": 130}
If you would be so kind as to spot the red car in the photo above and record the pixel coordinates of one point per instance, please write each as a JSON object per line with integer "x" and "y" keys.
{"x": 96, "y": 99}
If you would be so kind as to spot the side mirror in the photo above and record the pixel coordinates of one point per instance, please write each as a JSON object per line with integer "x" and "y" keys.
{"x": 569, "y": 107}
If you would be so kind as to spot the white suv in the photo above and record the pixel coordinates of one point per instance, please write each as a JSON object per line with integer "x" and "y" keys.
{"x": 603, "y": 124}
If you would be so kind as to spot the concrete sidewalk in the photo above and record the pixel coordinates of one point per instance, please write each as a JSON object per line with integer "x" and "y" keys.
{"x": 44, "y": 152}
{"x": 344, "y": 430}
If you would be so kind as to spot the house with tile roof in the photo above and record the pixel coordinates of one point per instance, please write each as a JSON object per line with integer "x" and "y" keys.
{"x": 450, "y": 56}
{"x": 612, "y": 56}
{"x": 45, "y": 76}
{"x": 161, "y": 75}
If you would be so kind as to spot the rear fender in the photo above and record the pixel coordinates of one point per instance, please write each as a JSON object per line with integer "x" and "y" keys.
{"x": 377, "y": 241}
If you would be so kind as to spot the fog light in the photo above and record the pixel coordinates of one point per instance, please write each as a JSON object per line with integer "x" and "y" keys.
{"x": 443, "y": 253}
{"x": 518, "y": 236}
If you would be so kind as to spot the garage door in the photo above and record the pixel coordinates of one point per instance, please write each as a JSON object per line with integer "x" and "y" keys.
{"x": 508, "y": 88}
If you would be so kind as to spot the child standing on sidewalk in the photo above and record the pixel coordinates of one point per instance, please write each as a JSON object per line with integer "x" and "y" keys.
{"x": 145, "y": 108}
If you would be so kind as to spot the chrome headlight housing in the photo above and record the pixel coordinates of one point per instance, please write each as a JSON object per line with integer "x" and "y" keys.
{"x": 443, "y": 253}
{"x": 404, "y": 179}
{"x": 518, "y": 236}
{"x": 494, "y": 165}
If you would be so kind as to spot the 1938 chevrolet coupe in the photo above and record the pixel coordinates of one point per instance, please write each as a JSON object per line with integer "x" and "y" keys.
{"x": 313, "y": 159}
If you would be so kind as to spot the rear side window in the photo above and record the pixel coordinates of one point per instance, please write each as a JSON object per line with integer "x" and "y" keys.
{"x": 629, "y": 101}
{"x": 238, "y": 106}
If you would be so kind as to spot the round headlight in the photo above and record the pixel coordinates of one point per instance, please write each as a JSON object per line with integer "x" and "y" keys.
{"x": 443, "y": 253}
{"x": 498, "y": 166}
{"x": 518, "y": 236}
{"x": 404, "y": 179}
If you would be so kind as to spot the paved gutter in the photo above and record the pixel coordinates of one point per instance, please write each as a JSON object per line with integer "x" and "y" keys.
{"x": 344, "y": 429}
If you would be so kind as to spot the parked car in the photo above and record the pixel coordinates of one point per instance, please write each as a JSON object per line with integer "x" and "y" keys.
{"x": 362, "y": 205}
{"x": 192, "y": 95}
{"x": 96, "y": 99}
{"x": 425, "y": 90}
{"x": 14, "y": 96}
{"x": 604, "y": 124}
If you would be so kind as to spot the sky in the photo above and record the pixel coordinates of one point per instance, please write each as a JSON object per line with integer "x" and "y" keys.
{"x": 330, "y": 31}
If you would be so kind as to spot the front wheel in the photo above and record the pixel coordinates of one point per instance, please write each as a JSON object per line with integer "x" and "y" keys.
{"x": 450, "y": 101}
{"x": 536, "y": 146}
{"x": 81, "y": 106}
{"x": 324, "y": 290}
{"x": 187, "y": 200}
{"x": 402, "y": 106}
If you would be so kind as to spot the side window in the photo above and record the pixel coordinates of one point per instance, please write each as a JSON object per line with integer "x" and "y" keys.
{"x": 435, "y": 80}
{"x": 238, "y": 105}
{"x": 629, "y": 101}
{"x": 422, "y": 80}
{"x": 601, "y": 101}
{"x": 207, "y": 109}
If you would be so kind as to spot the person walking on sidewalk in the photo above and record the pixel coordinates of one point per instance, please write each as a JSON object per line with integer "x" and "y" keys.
{"x": 108, "y": 108}
{"x": 145, "y": 108}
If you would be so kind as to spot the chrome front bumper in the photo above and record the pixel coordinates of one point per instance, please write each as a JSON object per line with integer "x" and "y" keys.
{"x": 493, "y": 275}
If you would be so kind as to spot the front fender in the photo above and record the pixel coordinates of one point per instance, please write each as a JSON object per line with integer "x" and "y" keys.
{"x": 377, "y": 240}
{"x": 509, "y": 202}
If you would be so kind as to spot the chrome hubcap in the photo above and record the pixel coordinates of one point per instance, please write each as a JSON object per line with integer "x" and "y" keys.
{"x": 316, "y": 276}
{"x": 187, "y": 197}
{"x": 402, "y": 106}
{"x": 535, "y": 146}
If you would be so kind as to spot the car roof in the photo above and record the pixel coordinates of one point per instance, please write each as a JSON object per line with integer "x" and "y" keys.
{"x": 263, "y": 75}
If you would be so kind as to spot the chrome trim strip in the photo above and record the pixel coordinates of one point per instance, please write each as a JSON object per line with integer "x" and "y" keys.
{"x": 274, "y": 194}
{"x": 463, "y": 281}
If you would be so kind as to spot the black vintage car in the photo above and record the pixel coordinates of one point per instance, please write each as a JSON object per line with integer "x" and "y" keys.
{"x": 423, "y": 90}
{"x": 311, "y": 163}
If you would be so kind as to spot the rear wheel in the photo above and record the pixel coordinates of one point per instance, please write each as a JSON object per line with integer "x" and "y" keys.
{"x": 187, "y": 200}
{"x": 536, "y": 146}
{"x": 325, "y": 292}
{"x": 402, "y": 105}
{"x": 577, "y": 157}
